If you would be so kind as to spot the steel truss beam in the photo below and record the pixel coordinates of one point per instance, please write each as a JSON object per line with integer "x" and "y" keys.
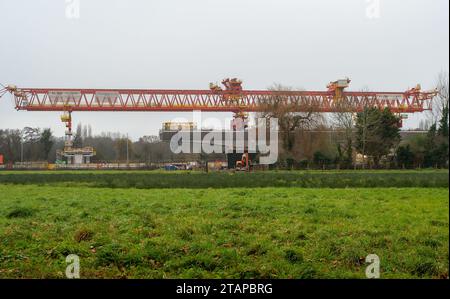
{"x": 35, "y": 99}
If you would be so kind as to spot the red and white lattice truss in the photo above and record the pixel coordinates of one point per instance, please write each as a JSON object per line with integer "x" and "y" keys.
{"x": 230, "y": 99}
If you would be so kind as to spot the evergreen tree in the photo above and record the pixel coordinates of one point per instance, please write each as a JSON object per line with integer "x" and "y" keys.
{"x": 376, "y": 132}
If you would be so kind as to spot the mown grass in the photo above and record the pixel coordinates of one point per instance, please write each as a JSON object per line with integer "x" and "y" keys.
{"x": 302, "y": 179}
{"x": 274, "y": 232}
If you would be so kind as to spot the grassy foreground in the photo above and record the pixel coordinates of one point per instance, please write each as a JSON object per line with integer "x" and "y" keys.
{"x": 274, "y": 232}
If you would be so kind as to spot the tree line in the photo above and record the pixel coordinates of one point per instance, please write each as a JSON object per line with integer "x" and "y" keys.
{"x": 35, "y": 144}
{"x": 371, "y": 138}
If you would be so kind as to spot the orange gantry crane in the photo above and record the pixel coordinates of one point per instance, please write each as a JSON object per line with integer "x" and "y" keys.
{"x": 229, "y": 98}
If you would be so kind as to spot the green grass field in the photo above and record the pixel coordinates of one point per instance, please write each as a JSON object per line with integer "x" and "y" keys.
{"x": 192, "y": 179}
{"x": 222, "y": 225}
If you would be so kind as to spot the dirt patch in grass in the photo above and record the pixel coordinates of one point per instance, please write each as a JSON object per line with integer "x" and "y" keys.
{"x": 83, "y": 235}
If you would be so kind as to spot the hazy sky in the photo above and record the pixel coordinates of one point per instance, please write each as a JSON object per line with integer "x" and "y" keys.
{"x": 187, "y": 44}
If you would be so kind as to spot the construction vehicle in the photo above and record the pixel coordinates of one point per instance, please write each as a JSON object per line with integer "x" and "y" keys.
{"x": 244, "y": 164}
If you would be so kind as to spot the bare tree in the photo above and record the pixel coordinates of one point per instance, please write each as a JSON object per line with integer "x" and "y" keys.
{"x": 441, "y": 101}
{"x": 85, "y": 132}
{"x": 277, "y": 106}
{"x": 30, "y": 147}
{"x": 124, "y": 148}
{"x": 89, "y": 131}
{"x": 344, "y": 121}
{"x": 31, "y": 135}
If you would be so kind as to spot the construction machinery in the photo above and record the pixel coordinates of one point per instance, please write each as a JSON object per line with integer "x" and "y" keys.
{"x": 337, "y": 87}
{"x": 244, "y": 164}
{"x": 231, "y": 98}
{"x": 72, "y": 154}
{"x": 179, "y": 126}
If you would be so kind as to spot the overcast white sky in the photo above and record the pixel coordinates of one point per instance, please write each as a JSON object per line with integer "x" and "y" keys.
{"x": 187, "y": 44}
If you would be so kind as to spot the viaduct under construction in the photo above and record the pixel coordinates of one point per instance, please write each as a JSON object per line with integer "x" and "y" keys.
{"x": 229, "y": 98}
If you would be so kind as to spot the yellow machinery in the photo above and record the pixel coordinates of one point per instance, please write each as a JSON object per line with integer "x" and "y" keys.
{"x": 338, "y": 87}
{"x": 73, "y": 155}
